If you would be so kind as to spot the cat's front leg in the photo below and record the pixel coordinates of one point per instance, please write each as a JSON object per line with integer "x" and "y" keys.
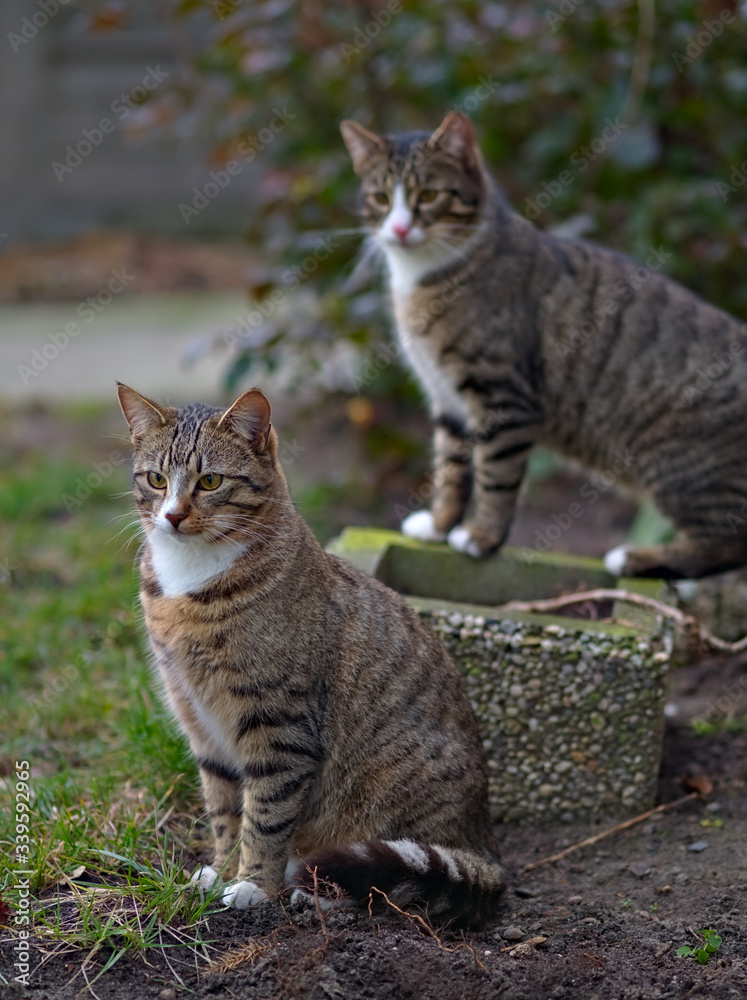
{"x": 273, "y": 800}
{"x": 452, "y": 484}
{"x": 221, "y": 789}
{"x": 500, "y": 462}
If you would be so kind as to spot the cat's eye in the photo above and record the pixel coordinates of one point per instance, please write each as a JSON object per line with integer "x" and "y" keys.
{"x": 428, "y": 195}
{"x": 381, "y": 198}
{"x": 210, "y": 481}
{"x": 157, "y": 481}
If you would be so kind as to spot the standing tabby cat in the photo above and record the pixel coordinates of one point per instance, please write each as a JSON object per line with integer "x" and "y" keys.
{"x": 331, "y": 729}
{"x": 519, "y": 337}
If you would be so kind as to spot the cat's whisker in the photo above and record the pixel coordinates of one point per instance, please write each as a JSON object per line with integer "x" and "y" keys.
{"x": 369, "y": 252}
{"x": 348, "y": 231}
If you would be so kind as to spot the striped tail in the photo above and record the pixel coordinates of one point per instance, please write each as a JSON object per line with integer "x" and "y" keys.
{"x": 452, "y": 886}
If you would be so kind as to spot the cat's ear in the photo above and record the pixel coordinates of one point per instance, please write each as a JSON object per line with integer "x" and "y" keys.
{"x": 249, "y": 416}
{"x": 141, "y": 415}
{"x": 455, "y": 135}
{"x": 361, "y": 143}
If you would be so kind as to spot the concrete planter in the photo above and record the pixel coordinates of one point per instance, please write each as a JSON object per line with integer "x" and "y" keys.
{"x": 571, "y": 710}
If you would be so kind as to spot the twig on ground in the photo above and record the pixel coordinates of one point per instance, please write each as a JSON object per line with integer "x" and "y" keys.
{"x": 689, "y": 625}
{"x": 626, "y": 824}
{"x": 319, "y": 910}
{"x": 424, "y": 925}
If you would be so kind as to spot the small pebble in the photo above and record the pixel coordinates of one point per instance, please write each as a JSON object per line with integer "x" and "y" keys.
{"x": 512, "y": 933}
{"x": 575, "y": 900}
{"x": 639, "y": 868}
{"x": 524, "y": 950}
{"x": 167, "y": 994}
{"x": 698, "y": 846}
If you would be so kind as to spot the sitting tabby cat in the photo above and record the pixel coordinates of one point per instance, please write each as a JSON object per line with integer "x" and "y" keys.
{"x": 331, "y": 728}
{"x": 520, "y": 336}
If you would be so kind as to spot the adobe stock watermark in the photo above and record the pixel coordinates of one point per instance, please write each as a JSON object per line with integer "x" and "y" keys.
{"x": 21, "y": 874}
{"x": 362, "y": 37}
{"x": 565, "y": 9}
{"x": 122, "y": 107}
{"x": 224, "y": 8}
{"x": 738, "y": 522}
{"x": 719, "y": 363}
{"x": 87, "y": 311}
{"x": 737, "y": 179}
{"x": 248, "y": 148}
{"x": 708, "y": 31}
{"x": 6, "y": 572}
{"x": 292, "y": 278}
{"x": 31, "y": 26}
{"x": 84, "y": 488}
{"x": 580, "y": 159}
{"x": 624, "y": 289}
{"x": 595, "y": 487}
{"x": 486, "y": 87}
{"x": 725, "y": 705}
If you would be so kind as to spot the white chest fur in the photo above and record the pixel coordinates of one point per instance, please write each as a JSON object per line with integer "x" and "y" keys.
{"x": 433, "y": 377}
{"x": 184, "y": 565}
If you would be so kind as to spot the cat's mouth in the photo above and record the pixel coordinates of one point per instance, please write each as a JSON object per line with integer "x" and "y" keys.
{"x": 176, "y": 529}
{"x": 409, "y": 240}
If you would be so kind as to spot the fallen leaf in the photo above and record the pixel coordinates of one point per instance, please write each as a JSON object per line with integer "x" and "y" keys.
{"x": 700, "y": 783}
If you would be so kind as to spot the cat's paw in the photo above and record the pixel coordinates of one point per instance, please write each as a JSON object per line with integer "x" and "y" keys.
{"x": 204, "y": 876}
{"x": 616, "y": 561}
{"x": 459, "y": 538}
{"x": 420, "y": 525}
{"x": 241, "y": 895}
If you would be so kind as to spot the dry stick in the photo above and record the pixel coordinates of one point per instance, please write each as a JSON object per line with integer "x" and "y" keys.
{"x": 686, "y": 622}
{"x": 418, "y": 921}
{"x": 608, "y": 833}
{"x": 319, "y": 909}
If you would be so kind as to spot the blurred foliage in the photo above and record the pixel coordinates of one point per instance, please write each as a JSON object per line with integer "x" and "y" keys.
{"x": 542, "y": 80}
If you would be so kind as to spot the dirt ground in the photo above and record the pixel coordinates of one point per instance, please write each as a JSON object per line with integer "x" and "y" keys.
{"x": 603, "y": 924}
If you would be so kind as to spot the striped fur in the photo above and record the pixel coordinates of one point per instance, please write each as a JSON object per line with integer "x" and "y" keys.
{"x": 320, "y": 709}
{"x": 523, "y": 337}
{"x": 449, "y": 884}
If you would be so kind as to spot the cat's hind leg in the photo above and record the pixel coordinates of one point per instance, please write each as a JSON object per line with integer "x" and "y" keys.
{"x": 688, "y": 557}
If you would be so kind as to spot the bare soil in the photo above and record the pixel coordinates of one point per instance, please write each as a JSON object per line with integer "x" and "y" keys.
{"x": 612, "y": 916}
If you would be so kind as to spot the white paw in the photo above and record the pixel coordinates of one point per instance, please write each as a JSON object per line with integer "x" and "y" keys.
{"x": 687, "y": 590}
{"x": 616, "y": 560}
{"x": 460, "y": 539}
{"x": 204, "y": 876}
{"x": 420, "y": 525}
{"x": 242, "y": 894}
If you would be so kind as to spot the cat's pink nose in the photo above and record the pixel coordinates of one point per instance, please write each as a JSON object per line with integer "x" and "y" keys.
{"x": 176, "y": 518}
{"x": 401, "y": 229}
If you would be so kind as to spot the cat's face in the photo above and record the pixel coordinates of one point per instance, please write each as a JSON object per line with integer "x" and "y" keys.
{"x": 419, "y": 190}
{"x": 202, "y": 472}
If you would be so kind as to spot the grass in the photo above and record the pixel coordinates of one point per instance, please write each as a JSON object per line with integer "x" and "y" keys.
{"x": 113, "y": 788}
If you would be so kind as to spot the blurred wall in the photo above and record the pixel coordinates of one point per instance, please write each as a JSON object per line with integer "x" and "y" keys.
{"x": 65, "y": 88}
